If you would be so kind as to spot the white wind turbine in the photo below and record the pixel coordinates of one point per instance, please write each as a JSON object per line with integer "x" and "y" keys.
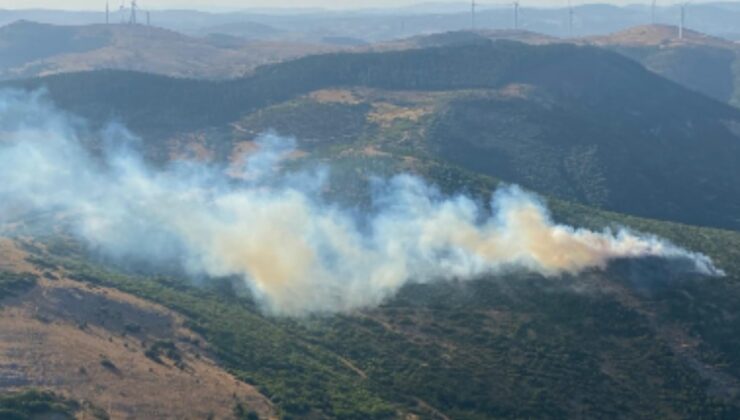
{"x": 515, "y": 4}
{"x": 571, "y": 14}
{"x": 122, "y": 11}
{"x": 682, "y": 23}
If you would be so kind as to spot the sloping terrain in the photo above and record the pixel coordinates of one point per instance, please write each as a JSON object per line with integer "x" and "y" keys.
{"x": 640, "y": 340}
{"x": 33, "y": 403}
{"x": 660, "y": 35}
{"x": 576, "y": 122}
{"x": 109, "y": 350}
{"x": 445, "y": 39}
{"x": 29, "y": 49}
{"x": 517, "y": 133}
{"x": 700, "y": 62}
{"x": 244, "y": 30}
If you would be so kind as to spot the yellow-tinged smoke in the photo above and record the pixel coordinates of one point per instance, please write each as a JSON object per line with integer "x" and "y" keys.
{"x": 298, "y": 253}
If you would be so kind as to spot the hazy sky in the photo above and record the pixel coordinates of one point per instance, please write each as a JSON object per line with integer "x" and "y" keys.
{"x": 246, "y": 4}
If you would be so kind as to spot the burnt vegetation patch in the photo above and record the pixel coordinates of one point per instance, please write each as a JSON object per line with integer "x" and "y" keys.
{"x": 165, "y": 349}
{"x": 33, "y": 404}
{"x": 13, "y": 284}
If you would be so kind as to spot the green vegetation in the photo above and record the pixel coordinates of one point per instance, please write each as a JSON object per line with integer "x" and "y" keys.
{"x": 509, "y": 347}
{"x": 643, "y": 339}
{"x": 704, "y": 68}
{"x": 12, "y": 284}
{"x": 26, "y": 41}
{"x": 582, "y": 154}
{"x": 106, "y": 363}
{"x": 104, "y": 95}
{"x": 591, "y": 126}
{"x": 297, "y": 375}
{"x": 315, "y": 124}
{"x": 166, "y": 349}
{"x": 35, "y": 404}
{"x": 596, "y": 345}
{"x": 242, "y": 413}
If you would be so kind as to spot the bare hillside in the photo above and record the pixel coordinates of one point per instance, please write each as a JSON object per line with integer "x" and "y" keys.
{"x": 108, "y": 349}
{"x": 701, "y": 62}
{"x": 30, "y": 49}
{"x": 665, "y": 35}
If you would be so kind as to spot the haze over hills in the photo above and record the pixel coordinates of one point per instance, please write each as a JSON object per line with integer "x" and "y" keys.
{"x": 704, "y": 63}
{"x": 446, "y": 39}
{"x": 660, "y": 35}
{"x": 29, "y": 49}
{"x": 337, "y": 235}
{"x": 371, "y": 26}
{"x": 526, "y": 114}
{"x": 700, "y": 62}
{"x": 637, "y": 338}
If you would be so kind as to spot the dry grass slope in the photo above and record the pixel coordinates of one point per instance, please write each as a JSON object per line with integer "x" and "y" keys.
{"x": 99, "y": 345}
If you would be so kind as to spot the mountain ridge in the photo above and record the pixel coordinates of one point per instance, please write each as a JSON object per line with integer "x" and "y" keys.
{"x": 700, "y": 62}
{"x": 30, "y": 49}
{"x": 615, "y": 108}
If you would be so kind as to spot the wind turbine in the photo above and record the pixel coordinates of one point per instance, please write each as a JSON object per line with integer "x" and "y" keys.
{"x": 516, "y": 14}
{"x": 570, "y": 19}
{"x": 132, "y": 19}
{"x": 122, "y": 12}
{"x": 682, "y": 24}
{"x": 473, "y": 5}
{"x": 137, "y": 10}
{"x": 652, "y": 11}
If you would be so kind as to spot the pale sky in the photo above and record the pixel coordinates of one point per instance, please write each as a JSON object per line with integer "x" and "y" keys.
{"x": 247, "y": 4}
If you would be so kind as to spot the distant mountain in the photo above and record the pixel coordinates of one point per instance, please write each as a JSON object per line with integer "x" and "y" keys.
{"x": 700, "y": 62}
{"x": 246, "y": 30}
{"x": 29, "y": 49}
{"x": 382, "y": 25}
{"x": 447, "y": 39}
{"x": 577, "y": 122}
{"x": 661, "y": 35}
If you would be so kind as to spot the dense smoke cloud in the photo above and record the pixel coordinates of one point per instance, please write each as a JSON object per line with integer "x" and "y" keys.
{"x": 297, "y": 252}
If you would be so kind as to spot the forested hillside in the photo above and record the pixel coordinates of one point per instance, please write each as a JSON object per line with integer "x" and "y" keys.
{"x": 643, "y": 145}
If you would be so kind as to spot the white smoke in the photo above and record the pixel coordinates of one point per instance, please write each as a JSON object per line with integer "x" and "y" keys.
{"x": 297, "y": 252}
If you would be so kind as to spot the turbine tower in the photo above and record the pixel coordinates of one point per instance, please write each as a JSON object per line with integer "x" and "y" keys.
{"x": 107, "y": 12}
{"x": 652, "y": 12}
{"x": 132, "y": 19}
{"x": 570, "y": 19}
{"x": 516, "y": 14}
{"x": 122, "y": 12}
{"x": 682, "y": 23}
{"x": 473, "y": 6}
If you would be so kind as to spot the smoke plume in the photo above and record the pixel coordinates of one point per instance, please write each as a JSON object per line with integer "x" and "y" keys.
{"x": 297, "y": 252}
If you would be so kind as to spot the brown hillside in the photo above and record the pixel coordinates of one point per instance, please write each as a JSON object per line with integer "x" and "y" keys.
{"x": 90, "y": 344}
{"x": 138, "y": 48}
{"x": 659, "y": 35}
